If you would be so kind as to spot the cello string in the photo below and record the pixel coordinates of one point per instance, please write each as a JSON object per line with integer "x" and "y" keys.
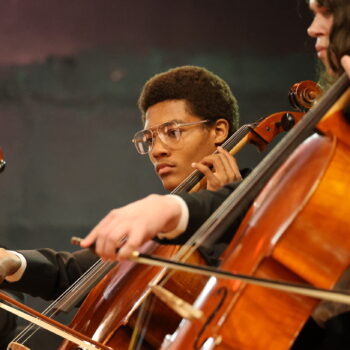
{"x": 142, "y": 322}
{"x": 48, "y": 327}
{"x": 21, "y": 309}
{"x": 52, "y": 309}
{"x": 192, "y": 179}
{"x": 94, "y": 269}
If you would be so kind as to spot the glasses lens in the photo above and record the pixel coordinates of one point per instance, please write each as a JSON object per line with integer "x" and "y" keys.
{"x": 169, "y": 133}
{"x": 143, "y": 141}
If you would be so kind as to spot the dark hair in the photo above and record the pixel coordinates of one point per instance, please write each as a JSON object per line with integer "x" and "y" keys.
{"x": 339, "y": 38}
{"x": 206, "y": 95}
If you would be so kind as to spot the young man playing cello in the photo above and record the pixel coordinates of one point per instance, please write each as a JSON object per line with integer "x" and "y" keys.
{"x": 187, "y": 112}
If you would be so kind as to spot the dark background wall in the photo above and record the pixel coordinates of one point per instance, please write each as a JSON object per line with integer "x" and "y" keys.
{"x": 70, "y": 76}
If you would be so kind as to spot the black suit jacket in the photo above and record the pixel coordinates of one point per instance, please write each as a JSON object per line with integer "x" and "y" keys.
{"x": 201, "y": 205}
{"x": 49, "y": 273}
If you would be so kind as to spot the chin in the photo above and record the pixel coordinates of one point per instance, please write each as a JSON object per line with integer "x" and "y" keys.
{"x": 169, "y": 187}
{"x": 170, "y": 184}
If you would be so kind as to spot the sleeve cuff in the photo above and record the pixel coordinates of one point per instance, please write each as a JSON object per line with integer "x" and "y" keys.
{"x": 183, "y": 221}
{"x": 19, "y": 273}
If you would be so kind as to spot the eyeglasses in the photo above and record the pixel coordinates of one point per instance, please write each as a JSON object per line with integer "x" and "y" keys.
{"x": 170, "y": 133}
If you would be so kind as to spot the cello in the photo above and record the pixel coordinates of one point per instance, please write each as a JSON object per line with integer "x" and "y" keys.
{"x": 295, "y": 231}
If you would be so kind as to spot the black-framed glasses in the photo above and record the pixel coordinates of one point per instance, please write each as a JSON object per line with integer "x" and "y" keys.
{"x": 170, "y": 133}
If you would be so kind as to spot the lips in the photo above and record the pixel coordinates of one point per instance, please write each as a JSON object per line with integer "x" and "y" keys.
{"x": 164, "y": 168}
{"x": 321, "y": 53}
{"x": 320, "y": 48}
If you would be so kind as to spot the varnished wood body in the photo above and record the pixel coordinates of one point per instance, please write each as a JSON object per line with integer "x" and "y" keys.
{"x": 297, "y": 230}
{"x": 109, "y": 312}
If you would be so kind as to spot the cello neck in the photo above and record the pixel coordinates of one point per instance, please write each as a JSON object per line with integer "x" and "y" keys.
{"x": 256, "y": 180}
{"x": 196, "y": 175}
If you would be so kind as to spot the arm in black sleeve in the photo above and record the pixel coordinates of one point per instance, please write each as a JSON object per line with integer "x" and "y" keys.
{"x": 200, "y": 205}
{"x": 49, "y": 273}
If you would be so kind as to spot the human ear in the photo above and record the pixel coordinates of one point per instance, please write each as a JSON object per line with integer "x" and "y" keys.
{"x": 221, "y": 130}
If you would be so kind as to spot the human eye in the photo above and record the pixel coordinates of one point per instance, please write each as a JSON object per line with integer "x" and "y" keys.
{"x": 326, "y": 12}
{"x": 173, "y": 132}
{"x": 144, "y": 136}
{"x": 147, "y": 138}
{"x": 323, "y": 11}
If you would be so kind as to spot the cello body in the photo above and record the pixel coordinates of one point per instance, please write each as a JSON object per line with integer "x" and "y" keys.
{"x": 297, "y": 230}
{"x": 108, "y": 316}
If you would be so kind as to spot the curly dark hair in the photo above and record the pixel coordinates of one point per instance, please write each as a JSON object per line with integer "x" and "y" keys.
{"x": 206, "y": 94}
{"x": 339, "y": 38}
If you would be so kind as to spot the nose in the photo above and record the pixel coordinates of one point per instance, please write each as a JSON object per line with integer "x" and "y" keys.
{"x": 315, "y": 28}
{"x": 159, "y": 149}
